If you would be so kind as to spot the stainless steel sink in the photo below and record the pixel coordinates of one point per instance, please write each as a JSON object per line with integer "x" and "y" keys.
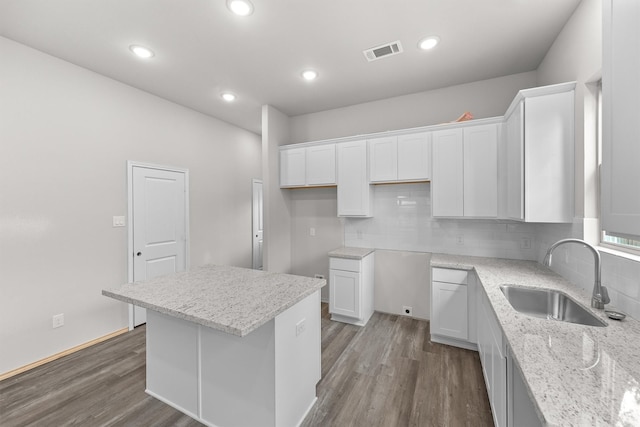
{"x": 549, "y": 304}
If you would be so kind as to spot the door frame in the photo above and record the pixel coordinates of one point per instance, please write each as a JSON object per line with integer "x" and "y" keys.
{"x": 255, "y": 181}
{"x": 130, "y": 165}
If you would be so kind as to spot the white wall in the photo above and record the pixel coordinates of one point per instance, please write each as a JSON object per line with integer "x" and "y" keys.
{"x": 276, "y": 202}
{"x": 65, "y": 136}
{"x": 487, "y": 98}
{"x": 577, "y": 55}
{"x": 315, "y": 208}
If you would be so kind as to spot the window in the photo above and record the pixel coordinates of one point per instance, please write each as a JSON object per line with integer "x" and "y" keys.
{"x": 622, "y": 242}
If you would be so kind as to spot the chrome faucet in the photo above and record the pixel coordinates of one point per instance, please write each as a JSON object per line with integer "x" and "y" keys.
{"x": 600, "y": 296}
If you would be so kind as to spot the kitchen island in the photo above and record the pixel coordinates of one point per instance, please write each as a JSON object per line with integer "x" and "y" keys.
{"x": 230, "y": 346}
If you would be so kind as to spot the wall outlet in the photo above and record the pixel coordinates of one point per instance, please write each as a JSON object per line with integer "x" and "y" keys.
{"x": 460, "y": 240}
{"x": 407, "y": 311}
{"x": 301, "y": 327}
{"x": 525, "y": 243}
{"x": 319, "y": 276}
{"x": 57, "y": 320}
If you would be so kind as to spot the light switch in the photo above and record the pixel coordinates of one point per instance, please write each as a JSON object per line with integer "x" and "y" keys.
{"x": 312, "y": 231}
{"x": 118, "y": 221}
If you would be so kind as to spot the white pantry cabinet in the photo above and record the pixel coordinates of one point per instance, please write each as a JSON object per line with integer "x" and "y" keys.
{"x": 540, "y": 154}
{"x": 452, "y": 308}
{"x": 351, "y": 289}
{"x": 402, "y": 158}
{"x": 308, "y": 166}
{"x": 465, "y": 172}
{"x": 354, "y": 192}
{"x": 620, "y": 120}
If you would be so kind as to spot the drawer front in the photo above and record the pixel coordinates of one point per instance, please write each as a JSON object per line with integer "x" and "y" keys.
{"x": 448, "y": 275}
{"x": 345, "y": 264}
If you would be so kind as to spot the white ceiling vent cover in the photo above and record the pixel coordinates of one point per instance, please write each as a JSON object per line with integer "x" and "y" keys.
{"x": 383, "y": 51}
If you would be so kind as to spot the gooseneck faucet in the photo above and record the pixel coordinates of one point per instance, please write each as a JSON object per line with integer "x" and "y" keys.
{"x": 600, "y": 296}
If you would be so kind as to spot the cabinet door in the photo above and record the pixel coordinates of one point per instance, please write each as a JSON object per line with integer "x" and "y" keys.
{"x": 383, "y": 159}
{"x": 354, "y": 192}
{"x": 292, "y": 167}
{"x": 515, "y": 165}
{"x": 345, "y": 293}
{"x": 321, "y": 165}
{"x": 481, "y": 171}
{"x": 414, "y": 157}
{"x": 447, "y": 189}
{"x": 450, "y": 310}
{"x": 621, "y": 110}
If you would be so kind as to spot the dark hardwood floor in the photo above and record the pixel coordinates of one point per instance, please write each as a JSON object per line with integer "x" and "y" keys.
{"x": 385, "y": 374}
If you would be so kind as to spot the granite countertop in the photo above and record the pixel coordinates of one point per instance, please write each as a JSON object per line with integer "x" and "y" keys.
{"x": 350, "y": 253}
{"x": 576, "y": 375}
{"x": 230, "y": 299}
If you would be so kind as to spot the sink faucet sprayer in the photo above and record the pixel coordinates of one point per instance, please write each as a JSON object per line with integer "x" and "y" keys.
{"x": 600, "y": 295}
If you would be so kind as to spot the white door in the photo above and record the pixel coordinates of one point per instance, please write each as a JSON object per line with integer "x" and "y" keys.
{"x": 159, "y": 224}
{"x": 257, "y": 224}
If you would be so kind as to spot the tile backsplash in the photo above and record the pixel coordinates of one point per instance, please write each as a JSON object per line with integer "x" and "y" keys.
{"x": 402, "y": 221}
{"x": 620, "y": 275}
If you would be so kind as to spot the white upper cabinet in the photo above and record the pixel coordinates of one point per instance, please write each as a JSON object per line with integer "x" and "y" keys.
{"x": 402, "y": 158}
{"x": 465, "y": 172}
{"x": 621, "y": 117}
{"x": 321, "y": 165}
{"x": 447, "y": 188}
{"x": 354, "y": 192}
{"x": 540, "y": 153}
{"x": 308, "y": 166}
{"x": 383, "y": 159}
{"x": 414, "y": 157}
{"x": 292, "y": 167}
{"x": 481, "y": 171}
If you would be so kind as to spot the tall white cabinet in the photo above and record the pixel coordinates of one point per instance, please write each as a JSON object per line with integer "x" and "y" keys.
{"x": 354, "y": 192}
{"x": 621, "y": 117}
{"x": 540, "y": 154}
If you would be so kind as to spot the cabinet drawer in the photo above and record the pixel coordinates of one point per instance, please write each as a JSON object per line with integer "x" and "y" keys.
{"x": 450, "y": 276}
{"x": 344, "y": 264}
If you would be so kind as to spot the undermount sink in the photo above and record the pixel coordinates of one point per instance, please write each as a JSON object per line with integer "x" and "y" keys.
{"x": 549, "y": 304}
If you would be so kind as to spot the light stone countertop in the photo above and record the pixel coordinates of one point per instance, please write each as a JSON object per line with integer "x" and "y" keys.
{"x": 576, "y": 375}
{"x": 230, "y": 299}
{"x": 350, "y": 253}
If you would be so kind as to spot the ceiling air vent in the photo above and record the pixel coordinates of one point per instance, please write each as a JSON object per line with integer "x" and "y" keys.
{"x": 382, "y": 51}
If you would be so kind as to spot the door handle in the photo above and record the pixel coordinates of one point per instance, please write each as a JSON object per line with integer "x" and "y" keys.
{"x": 139, "y": 253}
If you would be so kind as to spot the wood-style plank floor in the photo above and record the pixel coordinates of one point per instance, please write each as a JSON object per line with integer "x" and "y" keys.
{"x": 387, "y": 374}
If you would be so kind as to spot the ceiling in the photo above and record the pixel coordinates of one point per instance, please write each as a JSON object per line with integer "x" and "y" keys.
{"x": 201, "y": 49}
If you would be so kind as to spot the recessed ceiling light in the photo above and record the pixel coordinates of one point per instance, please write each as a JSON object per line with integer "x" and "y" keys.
{"x": 240, "y": 7}
{"x": 309, "y": 75}
{"x": 228, "y": 96}
{"x": 141, "y": 51}
{"x": 429, "y": 42}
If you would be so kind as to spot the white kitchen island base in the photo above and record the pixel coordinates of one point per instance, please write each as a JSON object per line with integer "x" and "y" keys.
{"x": 266, "y": 378}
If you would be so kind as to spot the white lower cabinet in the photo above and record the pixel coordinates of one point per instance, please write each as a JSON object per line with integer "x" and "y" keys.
{"x": 493, "y": 360}
{"x": 351, "y": 289}
{"x": 453, "y": 308}
{"x": 520, "y": 410}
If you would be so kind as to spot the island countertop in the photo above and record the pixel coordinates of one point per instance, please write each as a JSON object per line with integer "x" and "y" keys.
{"x": 230, "y": 299}
{"x": 576, "y": 375}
